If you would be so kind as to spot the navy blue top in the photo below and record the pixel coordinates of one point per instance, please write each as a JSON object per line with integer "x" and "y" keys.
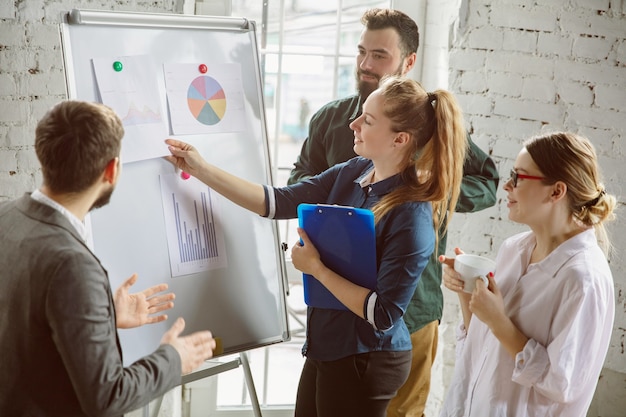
{"x": 405, "y": 239}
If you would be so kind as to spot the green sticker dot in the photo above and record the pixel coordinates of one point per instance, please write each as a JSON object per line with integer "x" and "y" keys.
{"x": 117, "y": 66}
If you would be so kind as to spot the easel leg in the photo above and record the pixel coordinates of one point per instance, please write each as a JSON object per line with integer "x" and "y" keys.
{"x": 250, "y": 383}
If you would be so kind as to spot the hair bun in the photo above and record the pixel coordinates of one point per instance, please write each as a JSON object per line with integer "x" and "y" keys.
{"x": 595, "y": 200}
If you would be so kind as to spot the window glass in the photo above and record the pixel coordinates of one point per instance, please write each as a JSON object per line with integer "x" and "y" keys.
{"x": 306, "y": 62}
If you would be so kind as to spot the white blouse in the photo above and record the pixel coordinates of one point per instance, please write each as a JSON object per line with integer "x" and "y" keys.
{"x": 565, "y": 305}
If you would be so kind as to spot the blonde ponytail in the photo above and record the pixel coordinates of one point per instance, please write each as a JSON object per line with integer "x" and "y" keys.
{"x": 433, "y": 167}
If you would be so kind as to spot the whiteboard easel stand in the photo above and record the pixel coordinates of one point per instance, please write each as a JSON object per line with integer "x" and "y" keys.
{"x": 243, "y": 356}
{"x": 158, "y": 36}
{"x": 215, "y": 369}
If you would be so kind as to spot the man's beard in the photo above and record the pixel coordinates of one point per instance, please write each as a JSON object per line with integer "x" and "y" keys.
{"x": 366, "y": 88}
{"x": 103, "y": 200}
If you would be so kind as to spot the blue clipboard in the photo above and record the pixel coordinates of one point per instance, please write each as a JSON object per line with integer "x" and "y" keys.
{"x": 346, "y": 241}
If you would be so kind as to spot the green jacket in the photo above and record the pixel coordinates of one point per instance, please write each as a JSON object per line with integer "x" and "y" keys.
{"x": 331, "y": 141}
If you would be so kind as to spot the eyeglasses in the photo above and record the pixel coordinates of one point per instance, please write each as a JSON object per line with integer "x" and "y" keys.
{"x": 515, "y": 176}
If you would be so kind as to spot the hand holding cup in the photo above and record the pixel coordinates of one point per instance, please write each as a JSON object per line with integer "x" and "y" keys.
{"x": 472, "y": 267}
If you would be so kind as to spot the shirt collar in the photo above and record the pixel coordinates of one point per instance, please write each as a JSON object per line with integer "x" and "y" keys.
{"x": 552, "y": 263}
{"x": 381, "y": 187}
{"x": 366, "y": 179}
{"x": 37, "y": 195}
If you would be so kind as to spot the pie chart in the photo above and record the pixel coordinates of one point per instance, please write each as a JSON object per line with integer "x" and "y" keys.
{"x": 206, "y": 100}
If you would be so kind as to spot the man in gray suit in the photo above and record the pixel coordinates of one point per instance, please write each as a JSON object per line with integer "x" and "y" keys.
{"x": 59, "y": 350}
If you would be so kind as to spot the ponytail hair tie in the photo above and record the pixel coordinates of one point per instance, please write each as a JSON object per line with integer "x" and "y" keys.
{"x": 595, "y": 200}
{"x": 431, "y": 97}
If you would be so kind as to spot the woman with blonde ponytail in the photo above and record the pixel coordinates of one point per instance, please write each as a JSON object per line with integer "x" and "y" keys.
{"x": 439, "y": 138}
{"x": 533, "y": 341}
{"x": 411, "y": 146}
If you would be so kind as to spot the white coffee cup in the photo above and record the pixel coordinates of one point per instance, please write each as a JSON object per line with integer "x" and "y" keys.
{"x": 473, "y": 267}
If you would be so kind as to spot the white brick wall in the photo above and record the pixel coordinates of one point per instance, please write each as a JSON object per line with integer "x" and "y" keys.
{"x": 32, "y": 77}
{"x": 521, "y": 67}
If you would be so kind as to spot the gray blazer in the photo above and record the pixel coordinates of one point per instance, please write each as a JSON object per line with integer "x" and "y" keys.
{"x": 59, "y": 350}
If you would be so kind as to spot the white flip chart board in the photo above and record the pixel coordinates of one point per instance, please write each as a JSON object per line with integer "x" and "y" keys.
{"x": 231, "y": 274}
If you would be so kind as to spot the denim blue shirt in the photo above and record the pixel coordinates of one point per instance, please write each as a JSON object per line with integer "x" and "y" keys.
{"x": 404, "y": 241}
{"x": 331, "y": 141}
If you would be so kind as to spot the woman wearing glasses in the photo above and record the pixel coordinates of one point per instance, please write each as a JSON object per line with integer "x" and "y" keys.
{"x": 533, "y": 342}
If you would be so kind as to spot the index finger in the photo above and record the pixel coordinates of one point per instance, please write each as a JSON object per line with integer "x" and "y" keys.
{"x": 154, "y": 289}
{"x": 174, "y": 142}
{"x": 446, "y": 261}
{"x": 179, "y": 148}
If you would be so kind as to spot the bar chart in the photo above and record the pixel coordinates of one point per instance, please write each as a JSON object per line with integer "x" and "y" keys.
{"x": 195, "y": 240}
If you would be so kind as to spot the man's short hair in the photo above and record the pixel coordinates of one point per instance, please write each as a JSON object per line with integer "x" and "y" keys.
{"x": 377, "y": 19}
{"x": 74, "y": 142}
